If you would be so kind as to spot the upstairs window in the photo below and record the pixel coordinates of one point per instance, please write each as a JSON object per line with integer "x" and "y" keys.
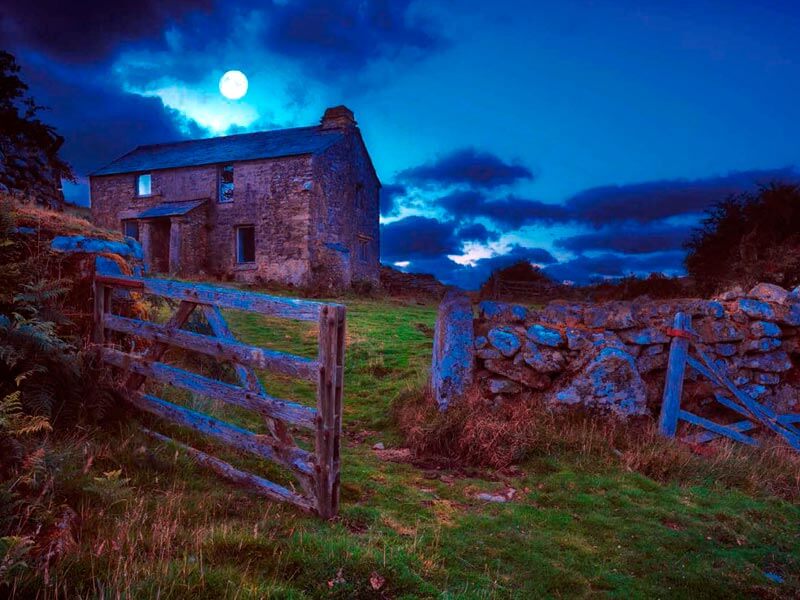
{"x": 226, "y": 183}
{"x": 245, "y": 244}
{"x": 143, "y": 184}
{"x": 131, "y": 229}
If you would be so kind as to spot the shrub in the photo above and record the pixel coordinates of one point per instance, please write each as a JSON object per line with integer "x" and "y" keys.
{"x": 475, "y": 433}
{"x": 747, "y": 239}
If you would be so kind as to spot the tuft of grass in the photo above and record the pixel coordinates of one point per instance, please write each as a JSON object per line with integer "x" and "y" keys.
{"x": 583, "y": 522}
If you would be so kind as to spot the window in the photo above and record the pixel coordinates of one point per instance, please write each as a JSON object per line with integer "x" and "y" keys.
{"x": 246, "y": 244}
{"x": 131, "y": 229}
{"x": 226, "y": 183}
{"x": 363, "y": 249}
{"x": 143, "y": 184}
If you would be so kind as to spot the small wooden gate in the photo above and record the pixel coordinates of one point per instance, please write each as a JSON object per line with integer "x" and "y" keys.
{"x": 754, "y": 413}
{"x": 317, "y": 472}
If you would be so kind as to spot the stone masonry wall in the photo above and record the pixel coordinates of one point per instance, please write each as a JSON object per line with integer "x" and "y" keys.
{"x": 345, "y": 214}
{"x": 613, "y": 356}
{"x": 272, "y": 195}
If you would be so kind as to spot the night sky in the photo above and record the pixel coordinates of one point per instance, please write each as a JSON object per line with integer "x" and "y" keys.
{"x": 586, "y": 137}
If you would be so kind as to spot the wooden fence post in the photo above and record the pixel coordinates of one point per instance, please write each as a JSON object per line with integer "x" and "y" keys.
{"x": 673, "y": 386}
{"x": 100, "y": 308}
{"x": 329, "y": 408}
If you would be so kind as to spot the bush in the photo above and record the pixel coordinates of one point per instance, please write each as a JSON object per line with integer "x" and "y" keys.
{"x": 747, "y": 239}
{"x": 475, "y": 433}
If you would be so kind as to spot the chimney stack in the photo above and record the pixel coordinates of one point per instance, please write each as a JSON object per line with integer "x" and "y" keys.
{"x": 338, "y": 117}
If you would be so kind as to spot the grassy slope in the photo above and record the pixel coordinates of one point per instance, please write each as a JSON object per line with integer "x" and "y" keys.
{"x": 164, "y": 526}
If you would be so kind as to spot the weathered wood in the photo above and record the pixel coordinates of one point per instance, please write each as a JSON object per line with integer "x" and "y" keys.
{"x": 317, "y": 474}
{"x": 331, "y": 340}
{"x": 763, "y": 414}
{"x": 258, "y": 484}
{"x": 236, "y": 437}
{"x": 724, "y": 430}
{"x": 221, "y": 348}
{"x": 249, "y": 380}
{"x": 157, "y": 350}
{"x": 673, "y": 388}
{"x": 275, "y": 306}
{"x": 707, "y": 436}
{"x": 99, "y": 332}
{"x": 291, "y": 412}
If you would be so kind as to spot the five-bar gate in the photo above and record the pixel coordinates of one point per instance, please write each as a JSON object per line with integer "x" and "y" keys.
{"x": 317, "y": 472}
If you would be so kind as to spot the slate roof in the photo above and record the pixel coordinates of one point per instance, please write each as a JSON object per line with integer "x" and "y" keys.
{"x": 169, "y": 209}
{"x": 231, "y": 148}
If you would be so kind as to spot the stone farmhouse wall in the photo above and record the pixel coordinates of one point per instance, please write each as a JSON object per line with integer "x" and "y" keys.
{"x": 316, "y": 216}
{"x": 613, "y": 356}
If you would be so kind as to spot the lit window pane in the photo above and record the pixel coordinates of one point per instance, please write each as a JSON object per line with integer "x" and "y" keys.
{"x": 226, "y": 184}
{"x": 143, "y": 184}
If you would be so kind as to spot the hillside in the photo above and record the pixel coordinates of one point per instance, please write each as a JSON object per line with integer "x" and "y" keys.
{"x": 152, "y": 524}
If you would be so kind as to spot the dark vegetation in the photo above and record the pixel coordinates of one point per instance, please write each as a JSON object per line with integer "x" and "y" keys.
{"x": 749, "y": 238}
{"x": 30, "y": 167}
{"x": 49, "y": 388}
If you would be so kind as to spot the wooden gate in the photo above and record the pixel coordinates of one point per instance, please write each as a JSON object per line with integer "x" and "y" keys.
{"x": 727, "y": 394}
{"x": 317, "y": 472}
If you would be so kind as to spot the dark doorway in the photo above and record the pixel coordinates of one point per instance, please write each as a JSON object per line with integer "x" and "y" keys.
{"x": 159, "y": 245}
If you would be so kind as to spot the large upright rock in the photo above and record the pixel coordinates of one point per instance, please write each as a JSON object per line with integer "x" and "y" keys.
{"x": 453, "y": 342}
{"x": 606, "y": 380}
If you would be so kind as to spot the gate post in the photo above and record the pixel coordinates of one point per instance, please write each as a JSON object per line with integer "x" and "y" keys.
{"x": 673, "y": 386}
{"x": 329, "y": 409}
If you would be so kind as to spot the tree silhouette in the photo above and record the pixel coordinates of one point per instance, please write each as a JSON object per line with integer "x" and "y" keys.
{"x": 748, "y": 238}
{"x": 30, "y": 167}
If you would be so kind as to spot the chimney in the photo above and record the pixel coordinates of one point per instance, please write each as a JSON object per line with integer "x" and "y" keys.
{"x": 338, "y": 117}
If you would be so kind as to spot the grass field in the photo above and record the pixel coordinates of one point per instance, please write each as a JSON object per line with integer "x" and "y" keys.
{"x": 155, "y": 525}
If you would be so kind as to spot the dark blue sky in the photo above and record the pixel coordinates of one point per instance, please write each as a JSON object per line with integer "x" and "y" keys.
{"x": 586, "y": 136}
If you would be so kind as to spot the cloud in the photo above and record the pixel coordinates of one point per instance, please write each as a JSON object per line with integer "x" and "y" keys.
{"x": 629, "y": 241}
{"x": 332, "y": 37}
{"x": 584, "y": 269}
{"x": 512, "y": 212}
{"x": 98, "y": 122}
{"x": 654, "y": 200}
{"x": 389, "y": 195}
{"x": 475, "y": 232}
{"x": 85, "y": 31}
{"x": 467, "y": 166}
{"x": 472, "y": 276}
{"x": 416, "y": 238}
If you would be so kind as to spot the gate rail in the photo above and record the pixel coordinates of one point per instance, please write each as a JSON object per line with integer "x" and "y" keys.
{"x": 755, "y": 414}
{"x": 317, "y": 472}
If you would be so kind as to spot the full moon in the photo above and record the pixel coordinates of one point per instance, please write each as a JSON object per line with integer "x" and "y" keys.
{"x": 233, "y": 85}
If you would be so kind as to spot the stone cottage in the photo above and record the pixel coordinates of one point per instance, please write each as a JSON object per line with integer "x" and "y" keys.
{"x": 295, "y": 206}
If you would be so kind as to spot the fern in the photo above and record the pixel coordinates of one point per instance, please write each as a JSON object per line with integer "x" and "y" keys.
{"x": 14, "y": 420}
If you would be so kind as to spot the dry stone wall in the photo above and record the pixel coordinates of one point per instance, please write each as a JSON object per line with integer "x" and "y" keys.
{"x": 612, "y": 356}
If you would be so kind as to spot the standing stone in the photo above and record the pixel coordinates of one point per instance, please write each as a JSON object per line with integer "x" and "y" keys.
{"x": 452, "y": 363}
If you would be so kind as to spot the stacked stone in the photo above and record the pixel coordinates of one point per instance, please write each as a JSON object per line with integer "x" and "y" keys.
{"x": 597, "y": 354}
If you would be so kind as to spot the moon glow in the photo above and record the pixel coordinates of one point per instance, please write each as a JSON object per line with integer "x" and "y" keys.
{"x": 233, "y": 85}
